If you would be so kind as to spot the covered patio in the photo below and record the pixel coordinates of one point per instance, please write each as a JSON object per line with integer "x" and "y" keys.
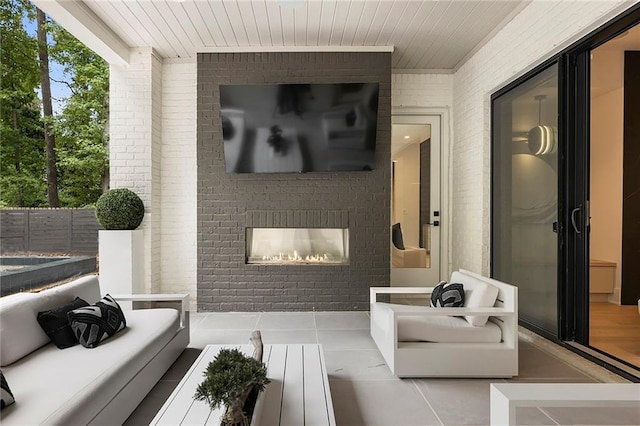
{"x": 444, "y": 59}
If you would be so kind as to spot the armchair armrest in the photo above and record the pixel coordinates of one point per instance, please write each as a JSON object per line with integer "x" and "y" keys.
{"x": 183, "y": 298}
{"x": 374, "y": 291}
{"x": 428, "y": 311}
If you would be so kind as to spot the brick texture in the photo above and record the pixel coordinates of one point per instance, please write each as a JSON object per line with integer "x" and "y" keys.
{"x": 225, "y": 201}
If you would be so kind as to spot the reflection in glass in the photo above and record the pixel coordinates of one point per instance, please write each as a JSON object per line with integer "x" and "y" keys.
{"x": 525, "y": 196}
{"x": 411, "y": 187}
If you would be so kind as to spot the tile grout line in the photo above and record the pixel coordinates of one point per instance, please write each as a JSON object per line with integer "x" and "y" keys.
{"x": 426, "y": 400}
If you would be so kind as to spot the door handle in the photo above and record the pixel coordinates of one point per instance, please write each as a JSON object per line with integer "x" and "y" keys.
{"x": 573, "y": 218}
{"x": 434, "y": 223}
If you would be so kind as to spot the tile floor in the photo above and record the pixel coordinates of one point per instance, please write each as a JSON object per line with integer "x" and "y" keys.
{"x": 364, "y": 391}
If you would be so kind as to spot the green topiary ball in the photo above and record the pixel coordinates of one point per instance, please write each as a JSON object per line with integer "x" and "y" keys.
{"x": 119, "y": 209}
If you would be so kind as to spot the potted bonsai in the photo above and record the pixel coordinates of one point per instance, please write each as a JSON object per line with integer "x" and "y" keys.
{"x": 121, "y": 245}
{"x": 235, "y": 380}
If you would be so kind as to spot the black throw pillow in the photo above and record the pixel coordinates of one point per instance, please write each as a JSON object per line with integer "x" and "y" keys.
{"x": 447, "y": 295}
{"x": 6, "y": 397}
{"x": 396, "y": 236}
{"x": 92, "y": 324}
{"x": 55, "y": 323}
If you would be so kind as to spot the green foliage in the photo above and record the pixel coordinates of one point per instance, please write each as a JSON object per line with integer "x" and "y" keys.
{"x": 80, "y": 126}
{"x": 228, "y": 376}
{"x": 119, "y": 209}
{"x": 22, "y": 157}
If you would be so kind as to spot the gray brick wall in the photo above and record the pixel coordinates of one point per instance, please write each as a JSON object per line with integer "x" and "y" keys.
{"x": 227, "y": 203}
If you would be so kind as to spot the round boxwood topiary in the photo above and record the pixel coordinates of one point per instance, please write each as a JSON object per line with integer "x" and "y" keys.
{"x": 119, "y": 209}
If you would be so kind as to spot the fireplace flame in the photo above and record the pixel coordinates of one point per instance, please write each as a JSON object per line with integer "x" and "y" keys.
{"x": 295, "y": 257}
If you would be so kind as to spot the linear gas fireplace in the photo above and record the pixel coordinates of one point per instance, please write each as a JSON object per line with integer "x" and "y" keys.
{"x": 297, "y": 246}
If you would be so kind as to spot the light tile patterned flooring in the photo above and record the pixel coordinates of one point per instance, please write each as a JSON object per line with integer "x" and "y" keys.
{"x": 364, "y": 391}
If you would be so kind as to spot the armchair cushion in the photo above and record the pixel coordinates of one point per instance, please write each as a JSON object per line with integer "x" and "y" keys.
{"x": 440, "y": 329}
{"x": 478, "y": 294}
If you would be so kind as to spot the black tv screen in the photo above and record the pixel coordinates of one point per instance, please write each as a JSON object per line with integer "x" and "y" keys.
{"x": 281, "y": 128}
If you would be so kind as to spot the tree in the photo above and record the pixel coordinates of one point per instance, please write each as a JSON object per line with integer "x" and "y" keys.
{"x": 82, "y": 127}
{"x": 55, "y": 157}
{"x": 21, "y": 132}
{"x": 49, "y": 137}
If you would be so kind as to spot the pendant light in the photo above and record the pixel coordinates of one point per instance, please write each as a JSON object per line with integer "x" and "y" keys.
{"x": 542, "y": 139}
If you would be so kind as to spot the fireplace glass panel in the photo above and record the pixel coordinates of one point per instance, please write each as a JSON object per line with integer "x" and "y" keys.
{"x": 297, "y": 246}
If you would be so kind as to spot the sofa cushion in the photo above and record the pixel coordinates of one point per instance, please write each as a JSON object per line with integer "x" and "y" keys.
{"x": 55, "y": 323}
{"x": 20, "y": 333}
{"x": 90, "y": 378}
{"x": 6, "y": 397}
{"x": 478, "y": 294}
{"x": 447, "y": 295}
{"x": 95, "y": 323}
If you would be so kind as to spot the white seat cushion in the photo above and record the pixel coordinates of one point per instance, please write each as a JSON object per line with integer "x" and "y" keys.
{"x": 80, "y": 381}
{"x": 445, "y": 330}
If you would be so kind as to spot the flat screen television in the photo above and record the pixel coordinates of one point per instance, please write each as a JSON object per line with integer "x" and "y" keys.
{"x": 298, "y": 128}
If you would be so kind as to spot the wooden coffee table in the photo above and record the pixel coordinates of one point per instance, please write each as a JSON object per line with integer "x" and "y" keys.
{"x": 298, "y": 394}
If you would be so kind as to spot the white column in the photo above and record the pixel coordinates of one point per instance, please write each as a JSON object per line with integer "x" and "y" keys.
{"x": 135, "y": 129}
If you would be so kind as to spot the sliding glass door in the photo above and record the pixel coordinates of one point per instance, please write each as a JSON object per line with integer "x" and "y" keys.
{"x": 524, "y": 224}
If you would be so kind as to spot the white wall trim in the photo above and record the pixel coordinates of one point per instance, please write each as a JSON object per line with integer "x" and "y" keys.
{"x": 422, "y": 71}
{"x": 446, "y": 138}
{"x": 77, "y": 18}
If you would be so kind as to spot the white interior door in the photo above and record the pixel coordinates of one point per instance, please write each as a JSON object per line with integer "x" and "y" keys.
{"x": 416, "y": 203}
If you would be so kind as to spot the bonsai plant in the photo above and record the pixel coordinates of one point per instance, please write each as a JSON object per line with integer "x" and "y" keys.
{"x": 119, "y": 209}
{"x": 229, "y": 379}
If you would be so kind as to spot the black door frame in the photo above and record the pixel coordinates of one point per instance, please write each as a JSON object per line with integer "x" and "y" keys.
{"x": 573, "y": 183}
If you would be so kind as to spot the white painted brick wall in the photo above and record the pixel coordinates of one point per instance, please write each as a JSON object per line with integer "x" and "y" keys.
{"x": 542, "y": 29}
{"x": 422, "y": 90}
{"x": 178, "y": 221}
{"x": 135, "y": 130}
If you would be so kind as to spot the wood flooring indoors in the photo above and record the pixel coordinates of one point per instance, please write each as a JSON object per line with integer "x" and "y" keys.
{"x": 615, "y": 330}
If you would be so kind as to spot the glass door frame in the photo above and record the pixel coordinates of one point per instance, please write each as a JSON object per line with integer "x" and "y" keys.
{"x": 439, "y": 119}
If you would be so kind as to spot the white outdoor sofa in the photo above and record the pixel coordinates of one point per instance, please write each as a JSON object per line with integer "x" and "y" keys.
{"x": 451, "y": 346}
{"x": 76, "y": 385}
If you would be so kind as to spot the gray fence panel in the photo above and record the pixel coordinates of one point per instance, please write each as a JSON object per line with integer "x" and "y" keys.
{"x": 72, "y": 231}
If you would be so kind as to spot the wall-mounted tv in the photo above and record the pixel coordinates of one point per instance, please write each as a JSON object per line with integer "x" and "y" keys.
{"x": 285, "y": 128}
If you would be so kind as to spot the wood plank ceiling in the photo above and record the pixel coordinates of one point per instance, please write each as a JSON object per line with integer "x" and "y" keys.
{"x": 426, "y": 34}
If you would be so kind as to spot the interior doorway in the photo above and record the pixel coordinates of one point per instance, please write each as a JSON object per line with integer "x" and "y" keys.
{"x": 415, "y": 200}
{"x": 614, "y": 181}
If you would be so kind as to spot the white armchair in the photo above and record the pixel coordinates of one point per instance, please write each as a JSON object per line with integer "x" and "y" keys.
{"x": 451, "y": 346}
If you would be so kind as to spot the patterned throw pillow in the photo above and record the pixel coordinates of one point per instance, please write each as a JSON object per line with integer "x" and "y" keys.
{"x": 6, "y": 397}
{"x": 447, "y": 295}
{"x": 55, "y": 322}
{"x": 92, "y": 324}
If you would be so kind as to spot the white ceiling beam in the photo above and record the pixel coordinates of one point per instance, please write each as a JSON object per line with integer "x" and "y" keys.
{"x": 77, "y": 18}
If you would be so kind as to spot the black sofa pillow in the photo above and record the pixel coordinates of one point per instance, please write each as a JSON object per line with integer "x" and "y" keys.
{"x": 55, "y": 323}
{"x": 6, "y": 397}
{"x": 447, "y": 295}
{"x": 92, "y": 324}
{"x": 396, "y": 236}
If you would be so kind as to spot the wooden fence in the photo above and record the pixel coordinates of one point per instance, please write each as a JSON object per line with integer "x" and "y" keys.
{"x": 68, "y": 231}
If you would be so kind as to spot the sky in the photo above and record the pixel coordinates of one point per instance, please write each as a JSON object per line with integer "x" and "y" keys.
{"x": 59, "y": 91}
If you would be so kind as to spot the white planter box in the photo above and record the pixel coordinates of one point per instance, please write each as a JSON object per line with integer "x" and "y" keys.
{"x": 121, "y": 262}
